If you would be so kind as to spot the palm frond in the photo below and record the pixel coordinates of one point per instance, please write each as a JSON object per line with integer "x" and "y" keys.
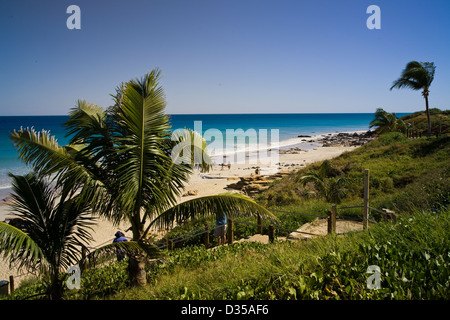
{"x": 129, "y": 247}
{"x": 316, "y": 179}
{"x": 55, "y": 220}
{"x": 86, "y": 121}
{"x": 387, "y": 122}
{"x": 73, "y": 224}
{"x": 416, "y": 76}
{"x": 187, "y": 149}
{"x": 338, "y": 187}
{"x": 231, "y": 204}
{"x": 144, "y": 127}
{"x": 191, "y": 148}
{"x": 41, "y": 151}
{"x": 33, "y": 201}
{"x": 88, "y": 127}
{"x": 66, "y": 164}
{"x": 19, "y": 247}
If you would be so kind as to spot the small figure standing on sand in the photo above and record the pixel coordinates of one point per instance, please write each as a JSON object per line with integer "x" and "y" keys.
{"x": 120, "y": 237}
{"x": 221, "y": 228}
{"x": 229, "y": 165}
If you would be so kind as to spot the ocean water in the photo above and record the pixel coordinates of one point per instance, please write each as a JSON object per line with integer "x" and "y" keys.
{"x": 286, "y": 128}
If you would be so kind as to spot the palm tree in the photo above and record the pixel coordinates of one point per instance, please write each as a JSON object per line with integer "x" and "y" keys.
{"x": 50, "y": 232}
{"x": 418, "y": 76}
{"x": 128, "y": 164}
{"x": 332, "y": 188}
{"x": 53, "y": 229}
{"x": 387, "y": 122}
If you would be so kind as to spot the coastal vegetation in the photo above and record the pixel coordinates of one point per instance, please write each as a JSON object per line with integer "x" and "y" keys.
{"x": 405, "y": 174}
{"x": 440, "y": 121}
{"x": 412, "y": 254}
{"x": 326, "y": 183}
{"x": 387, "y": 122}
{"x": 409, "y": 176}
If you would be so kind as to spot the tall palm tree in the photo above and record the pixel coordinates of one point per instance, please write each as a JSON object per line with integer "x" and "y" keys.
{"x": 418, "y": 76}
{"x": 387, "y": 122}
{"x": 126, "y": 161}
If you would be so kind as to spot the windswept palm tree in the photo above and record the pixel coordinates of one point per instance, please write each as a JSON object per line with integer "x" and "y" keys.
{"x": 387, "y": 122}
{"x": 418, "y": 76}
{"x": 128, "y": 163}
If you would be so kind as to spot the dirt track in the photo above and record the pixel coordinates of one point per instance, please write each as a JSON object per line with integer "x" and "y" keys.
{"x": 318, "y": 228}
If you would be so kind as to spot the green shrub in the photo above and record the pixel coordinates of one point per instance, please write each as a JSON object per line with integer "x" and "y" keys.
{"x": 390, "y": 138}
{"x": 413, "y": 257}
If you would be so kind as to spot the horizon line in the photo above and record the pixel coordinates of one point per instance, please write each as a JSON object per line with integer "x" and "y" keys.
{"x": 184, "y": 114}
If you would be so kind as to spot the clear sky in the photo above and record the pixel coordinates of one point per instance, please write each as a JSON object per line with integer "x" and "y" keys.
{"x": 223, "y": 56}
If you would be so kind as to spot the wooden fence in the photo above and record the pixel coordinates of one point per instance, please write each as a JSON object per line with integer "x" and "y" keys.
{"x": 331, "y": 221}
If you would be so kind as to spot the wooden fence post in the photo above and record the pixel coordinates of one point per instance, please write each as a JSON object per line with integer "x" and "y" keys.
{"x": 169, "y": 244}
{"x": 271, "y": 233}
{"x": 206, "y": 237}
{"x": 260, "y": 228}
{"x": 332, "y": 220}
{"x": 11, "y": 284}
{"x": 366, "y": 199}
{"x": 83, "y": 258}
{"x": 230, "y": 232}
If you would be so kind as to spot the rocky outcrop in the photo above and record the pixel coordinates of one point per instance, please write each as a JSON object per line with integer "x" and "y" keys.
{"x": 256, "y": 183}
{"x": 190, "y": 193}
{"x": 347, "y": 139}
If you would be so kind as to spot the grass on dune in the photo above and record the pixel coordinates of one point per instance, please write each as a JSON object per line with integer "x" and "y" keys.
{"x": 413, "y": 256}
{"x": 405, "y": 174}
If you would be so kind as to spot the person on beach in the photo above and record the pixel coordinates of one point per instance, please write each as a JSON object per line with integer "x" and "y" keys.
{"x": 221, "y": 228}
{"x": 120, "y": 237}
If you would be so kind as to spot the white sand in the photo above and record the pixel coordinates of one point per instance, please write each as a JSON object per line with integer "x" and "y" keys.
{"x": 104, "y": 231}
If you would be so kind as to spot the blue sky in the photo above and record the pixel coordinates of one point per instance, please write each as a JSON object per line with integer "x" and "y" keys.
{"x": 223, "y": 56}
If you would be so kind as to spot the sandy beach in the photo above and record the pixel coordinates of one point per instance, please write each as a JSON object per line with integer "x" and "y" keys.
{"x": 213, "y": 182}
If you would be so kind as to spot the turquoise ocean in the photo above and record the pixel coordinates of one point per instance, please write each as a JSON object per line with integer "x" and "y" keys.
{"x": 287, "y": 126}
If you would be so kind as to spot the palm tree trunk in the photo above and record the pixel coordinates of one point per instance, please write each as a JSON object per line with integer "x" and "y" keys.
{"x": 56, "y": 287}
{"x": 136, "y": 270}
{"x": 425, "y": 94}
{"x": 136, "y": 262}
